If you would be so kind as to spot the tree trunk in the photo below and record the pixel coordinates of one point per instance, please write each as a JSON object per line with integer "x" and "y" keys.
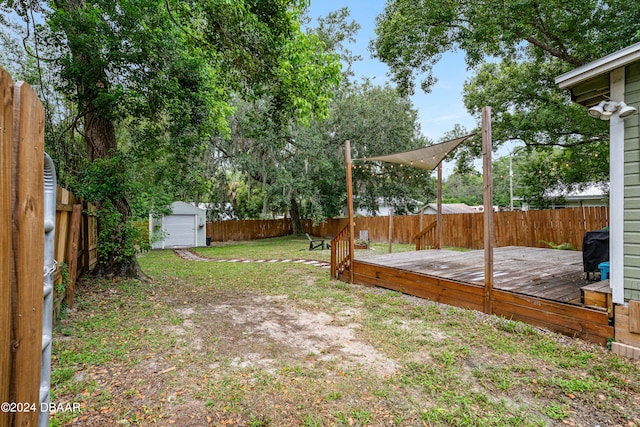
{"x": 265, "y": 200}
{"x": 116, "y": 255}
{"x": 296, "y": 223}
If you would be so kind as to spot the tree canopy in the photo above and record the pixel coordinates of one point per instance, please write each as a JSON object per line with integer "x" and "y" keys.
{"x": 412, "y": 37}
{"x": 516, "y": 49}
{"x": 156, "y": 79}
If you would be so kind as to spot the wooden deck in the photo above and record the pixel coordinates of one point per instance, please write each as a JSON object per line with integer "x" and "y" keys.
{"x": 536, "y": 285}
{"x": 545, "y": 273}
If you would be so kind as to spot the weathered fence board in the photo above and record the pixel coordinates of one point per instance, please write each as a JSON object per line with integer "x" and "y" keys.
{"x": 22, "y": 246}
{"x": 528, "y": 228}
{"x": 76, "y": 236}
{"x": 6, "y": 156}
{"x": 22, "y": 198}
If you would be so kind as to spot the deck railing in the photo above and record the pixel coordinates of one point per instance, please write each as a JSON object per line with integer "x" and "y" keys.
{"x": 340, "y": 255}
{"x": 427, "y": 238}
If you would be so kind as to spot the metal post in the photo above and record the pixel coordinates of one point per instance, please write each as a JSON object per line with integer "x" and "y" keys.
{"x": 49, "y": 268}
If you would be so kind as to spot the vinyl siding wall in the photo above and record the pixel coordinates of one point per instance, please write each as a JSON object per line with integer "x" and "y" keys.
{"x": 632, "y": 187}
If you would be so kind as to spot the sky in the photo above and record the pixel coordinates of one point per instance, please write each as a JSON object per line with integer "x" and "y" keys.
{"x": 438, "y": 110}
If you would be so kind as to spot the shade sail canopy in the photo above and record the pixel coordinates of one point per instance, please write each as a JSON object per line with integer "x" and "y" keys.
{"x": 427, "y": 158}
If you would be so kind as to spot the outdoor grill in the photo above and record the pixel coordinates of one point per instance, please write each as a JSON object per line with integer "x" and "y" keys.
{"x": 595, "y": 250}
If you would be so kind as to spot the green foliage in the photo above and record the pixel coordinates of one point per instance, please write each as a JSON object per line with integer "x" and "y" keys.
{"x": 105, "y": 183}
{"x": 154, "y": 80}
{"x": 302, "y": 167}
{"x": 412, "y": 39}
{"x": 465, "y": 188}
{"x": 248, "y": 201}
{"x": 527, "y": 105}
{"x": 556, "y": 411}
{"x": 115, "y": 235}
{"x": 377, "y": 121}
{"x": 334, "y": 30}
{"x": 561, "y": 246}
{"x": 529, "y": 43}
{"x": 60, "y": 288}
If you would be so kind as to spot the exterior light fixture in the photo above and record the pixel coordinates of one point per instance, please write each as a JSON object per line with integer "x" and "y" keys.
{"x": 605, "y": 109}
{"x": 625, "y": 110}
{"x": 597, "y": 110}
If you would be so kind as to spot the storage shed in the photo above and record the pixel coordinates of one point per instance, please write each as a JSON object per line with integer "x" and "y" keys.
{"x": 184, "y": 228}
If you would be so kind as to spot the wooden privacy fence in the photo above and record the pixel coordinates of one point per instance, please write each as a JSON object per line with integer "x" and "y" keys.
{"x": 237, "y": 230}
{"x": 75, "y": 244}
{"x": 21, "y": 247}
{"x": 528, "y": 228}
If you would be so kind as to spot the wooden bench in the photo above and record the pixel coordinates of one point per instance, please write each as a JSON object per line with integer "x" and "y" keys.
{"x": 315, "y": 243}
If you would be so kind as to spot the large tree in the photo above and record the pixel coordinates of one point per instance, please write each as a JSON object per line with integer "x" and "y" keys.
{"x": 300, "y": 170}
{"x": 412, "y": 36}
{"x": 164, "y": 71}
{"x": 529, "y": 42}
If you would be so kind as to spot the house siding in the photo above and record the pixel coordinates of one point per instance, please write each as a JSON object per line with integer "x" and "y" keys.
{"x": 632, "y": 187}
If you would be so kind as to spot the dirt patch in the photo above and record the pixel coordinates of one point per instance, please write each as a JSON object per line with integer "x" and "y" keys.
{"x": 265, "y": 331}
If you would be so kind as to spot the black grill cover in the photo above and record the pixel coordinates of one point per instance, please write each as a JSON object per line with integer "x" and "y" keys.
{"x": 595, "y": 249}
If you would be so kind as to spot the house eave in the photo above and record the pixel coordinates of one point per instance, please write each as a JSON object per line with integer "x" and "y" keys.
{"x": 599, "y": 67}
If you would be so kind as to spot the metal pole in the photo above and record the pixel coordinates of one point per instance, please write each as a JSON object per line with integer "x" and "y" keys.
{"x": 49, "y": 268}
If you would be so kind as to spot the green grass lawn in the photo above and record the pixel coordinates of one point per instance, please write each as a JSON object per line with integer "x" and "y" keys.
{"x": 282, "y": 344}
{"x": 292, "y": 247}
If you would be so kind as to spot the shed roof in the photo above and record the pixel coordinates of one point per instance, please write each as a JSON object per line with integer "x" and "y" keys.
{"x": 182, "y": 207}
{"x": 589, "y": 83}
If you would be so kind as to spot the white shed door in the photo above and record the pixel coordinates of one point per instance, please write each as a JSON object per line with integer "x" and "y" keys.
{"x": 181, "y": 231}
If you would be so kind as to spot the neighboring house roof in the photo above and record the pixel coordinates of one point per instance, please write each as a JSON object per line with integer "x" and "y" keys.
{"x": 451, "y": 208}
{"x": 589, "y": 84}
{"x": 585, "y": 191}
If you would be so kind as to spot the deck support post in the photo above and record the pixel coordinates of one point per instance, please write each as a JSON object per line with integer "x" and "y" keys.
{"x": 347, "y": 144}
{"x": 488, "y": 209}
{"x": 439, "y": 215}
